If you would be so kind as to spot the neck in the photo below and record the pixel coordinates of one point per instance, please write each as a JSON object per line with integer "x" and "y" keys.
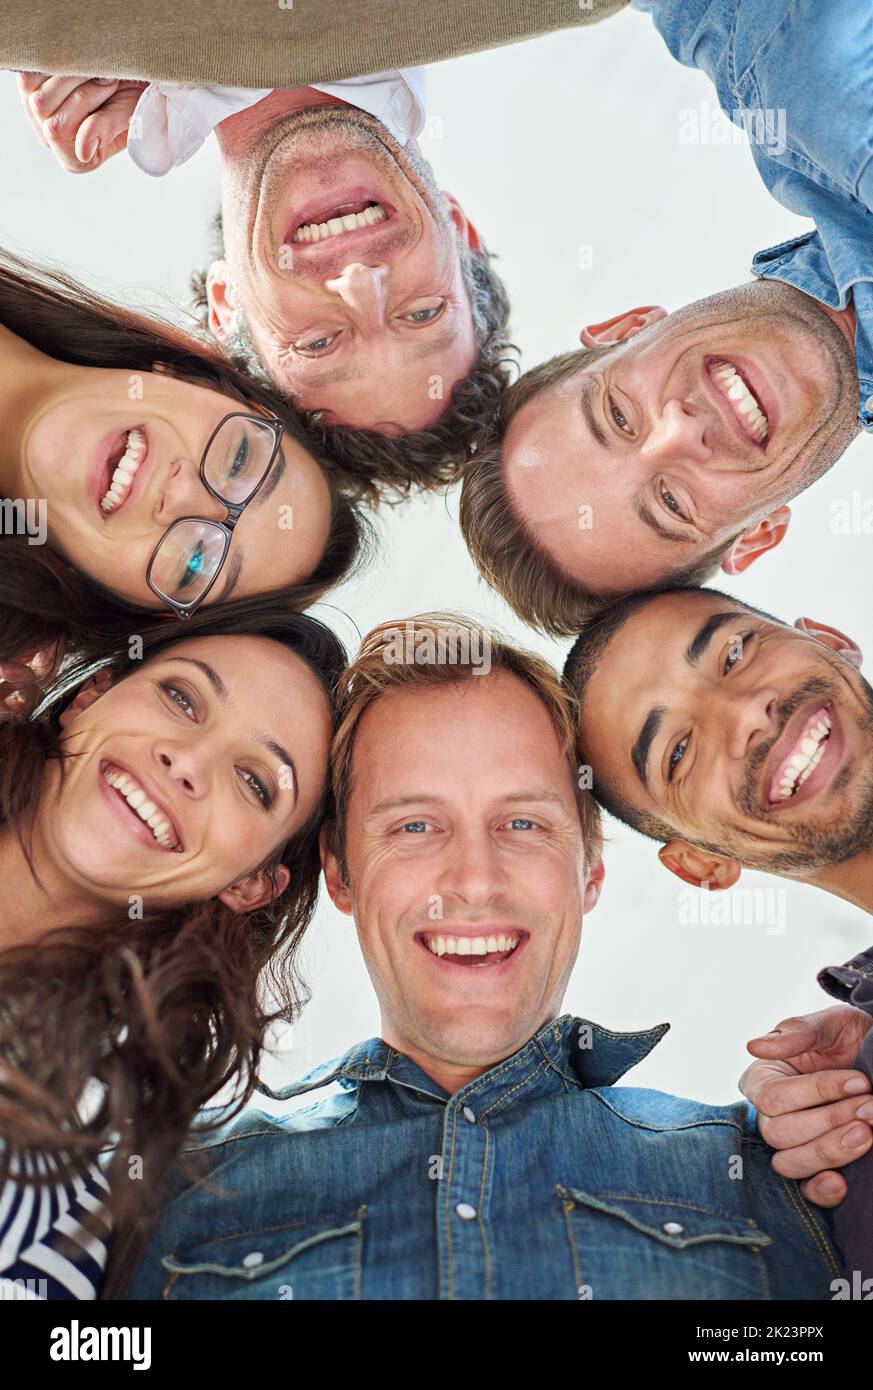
{"x": 844, "y": 319}
{"x": 34, "y": 907}
{"x": 26, "y": 375}
{"x": 237, "y": 134}
{"x": 451, "y": 1076}
{"x": 851, "y": 880}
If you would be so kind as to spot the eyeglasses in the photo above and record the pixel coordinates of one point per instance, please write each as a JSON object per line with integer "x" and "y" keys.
{"x": 190, "y": 555}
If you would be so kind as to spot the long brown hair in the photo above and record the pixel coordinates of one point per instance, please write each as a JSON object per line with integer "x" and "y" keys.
{"x": 43, "y": 601}
{"x": 112, "y": 1038}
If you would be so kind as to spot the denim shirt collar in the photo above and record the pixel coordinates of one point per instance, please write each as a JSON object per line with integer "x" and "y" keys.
{"x": 569, "y": 1051}
{"x": 834, "y": 277}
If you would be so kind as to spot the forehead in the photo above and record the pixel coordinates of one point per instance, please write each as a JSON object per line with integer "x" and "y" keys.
{"x": 650, "y": 652}
{"x": 477, "y": 736}
{"x": 256, "y": 673}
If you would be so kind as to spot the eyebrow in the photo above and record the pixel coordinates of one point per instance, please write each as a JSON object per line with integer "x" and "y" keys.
{"x": 220, "y": 689}
{"x": 209, "y": 672}
{"x": 642, "y": 747}
{"x": 395, "y": 803}
{"x": 285, "y": 759}
{"x": 654, "y": 719}
{"x": 587, "y": 389}
{"x": 275, "y": 478}
{"x": 648, "y": 516}
{"x": 232, "y": 577}
{"x": 705, "y": 633}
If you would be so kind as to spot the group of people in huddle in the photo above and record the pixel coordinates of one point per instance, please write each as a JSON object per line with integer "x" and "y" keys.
{"x": 186, "y": 753}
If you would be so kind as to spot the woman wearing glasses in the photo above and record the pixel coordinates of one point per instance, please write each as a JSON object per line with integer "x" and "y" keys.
{"x": 158, "y": 475}
{"x": 160, "y": 829}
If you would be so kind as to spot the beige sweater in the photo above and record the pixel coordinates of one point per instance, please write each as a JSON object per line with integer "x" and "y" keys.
{"x": 268, "y": 43}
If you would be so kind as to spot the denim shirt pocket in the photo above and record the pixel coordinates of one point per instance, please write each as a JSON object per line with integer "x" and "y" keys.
{"x": 314, "y": 1261}
{"x": 623, "y": 1246}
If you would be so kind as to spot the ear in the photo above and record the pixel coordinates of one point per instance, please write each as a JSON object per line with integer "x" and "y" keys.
{"x": 339, "y": 893}
{"x": 751, "y": 544}
{"x": 255, "y": 890}
{"x": 221, "y": 300}
{"x": 833, "y": 638}
{"x": 465, "y": 229}
{"x": 699, "y": 867}
{"x": 86, "y": 695}
{"x": 623, "y": 326}
{"x": 593, "y": 885}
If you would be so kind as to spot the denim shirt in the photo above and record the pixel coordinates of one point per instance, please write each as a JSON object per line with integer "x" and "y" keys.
{"x": 541, "y": 1179}
{"x": 797, "y": 75}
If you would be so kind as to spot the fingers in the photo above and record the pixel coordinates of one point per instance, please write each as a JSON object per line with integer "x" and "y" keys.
{"x": 58, "y": 106}
{"x": 775, "y": 1088}
{"x": 104, "y": 133}
{"x": 836, "y": 1031}
{"x": 825, "y": 1189}
{"x": 803, "y": 1126}
{"x": 833, "y": 1150}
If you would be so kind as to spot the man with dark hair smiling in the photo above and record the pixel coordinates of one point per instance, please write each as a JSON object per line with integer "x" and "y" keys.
{"x": 739, "y": 741}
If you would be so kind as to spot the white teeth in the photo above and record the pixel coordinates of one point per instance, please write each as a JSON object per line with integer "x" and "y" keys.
{"x": 125, "y": 471}
{"x": 334, "y": 226}
{"x": 471, "y": 945}
{"x": 139, "y": 802}
{"x": 803, "y": 763}
{"x": 731, "y": 384}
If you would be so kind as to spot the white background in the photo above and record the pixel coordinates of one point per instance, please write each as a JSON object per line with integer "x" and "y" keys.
{"x": 567, "y": 142}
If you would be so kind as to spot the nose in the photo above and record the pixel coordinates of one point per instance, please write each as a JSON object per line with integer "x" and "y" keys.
{"x": 182, "y": 494}
{"x": 185, "y": 762}
{"x": 748, "y": 716}
{"x": 363, "y": 289}
{"x": 675, "y": 434}
{"x": 472, "y": 872}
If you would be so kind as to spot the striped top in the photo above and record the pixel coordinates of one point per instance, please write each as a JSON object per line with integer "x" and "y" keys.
{"x": 36, "y": 1262}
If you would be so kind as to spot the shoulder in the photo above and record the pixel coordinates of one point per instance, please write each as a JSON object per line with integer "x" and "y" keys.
{"x": 656, "y": 1110}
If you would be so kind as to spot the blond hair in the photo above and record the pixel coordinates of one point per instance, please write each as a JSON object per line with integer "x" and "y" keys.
{"x": 374, "y": 673}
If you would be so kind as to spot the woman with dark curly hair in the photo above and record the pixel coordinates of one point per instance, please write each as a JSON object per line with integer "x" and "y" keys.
{"x": 159, "y": 823}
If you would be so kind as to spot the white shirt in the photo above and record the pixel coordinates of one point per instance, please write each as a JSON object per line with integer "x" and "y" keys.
{"x": 171, "y": 120}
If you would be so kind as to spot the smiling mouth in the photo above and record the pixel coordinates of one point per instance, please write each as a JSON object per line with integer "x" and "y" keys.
{"x": 347, "y": 217}
{"x": 804, "y": 758}
{"x": 731, "y": 384}
{"x": 491, "y": 949}
{"x": 137, "y": 798}
{"x": 121, "y": 468}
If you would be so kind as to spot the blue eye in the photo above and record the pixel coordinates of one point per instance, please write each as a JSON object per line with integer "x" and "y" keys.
{"x": 193, "y": 565}
{"x": 521, "y": 822}
{"x": 415, "y": 826}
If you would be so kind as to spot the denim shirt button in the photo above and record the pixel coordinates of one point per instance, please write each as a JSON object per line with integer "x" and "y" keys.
{"x": 465, "y": 1211}
{"x": 255, "y": 1257}
{"x": 468, "y": 1114}
{"x": 672, "y": 1228}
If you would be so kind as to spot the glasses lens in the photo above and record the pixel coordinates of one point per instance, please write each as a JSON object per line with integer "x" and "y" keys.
{"x": 238, "y": 457}
{"x": 187, "y": 560}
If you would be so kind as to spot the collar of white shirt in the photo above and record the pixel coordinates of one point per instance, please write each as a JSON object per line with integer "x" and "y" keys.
{"x": 171, "y": 121}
